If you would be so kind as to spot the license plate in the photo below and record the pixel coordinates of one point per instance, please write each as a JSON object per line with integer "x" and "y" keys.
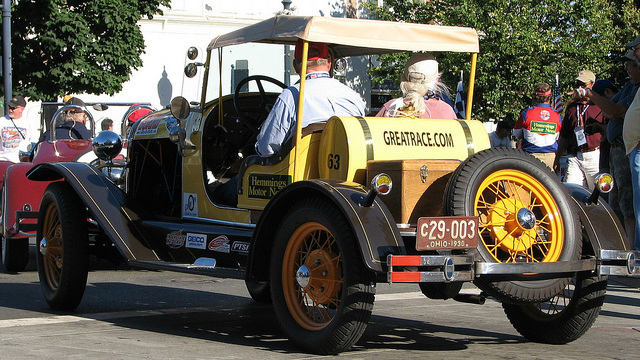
{"x": 447, "y": 232}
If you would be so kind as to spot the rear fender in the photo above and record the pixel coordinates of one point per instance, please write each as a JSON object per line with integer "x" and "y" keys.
{"x": 106, "y": 203}
{"x": 3, "y": 167}
{"x": 19, "y": 194}
{"x": 374, "y": 226}
{"x": 601, "y": 225}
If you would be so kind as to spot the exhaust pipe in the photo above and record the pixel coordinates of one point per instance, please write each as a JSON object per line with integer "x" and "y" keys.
{"x": 470, "y": 299}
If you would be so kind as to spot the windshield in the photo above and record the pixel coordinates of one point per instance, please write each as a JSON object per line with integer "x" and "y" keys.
{"x": 242, "y": 61}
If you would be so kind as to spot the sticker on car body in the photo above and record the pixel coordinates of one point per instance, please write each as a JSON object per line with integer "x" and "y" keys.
{"x": 240, "y": 246}
{"x": 148, "y": 126}
{"x": 176, "y": 239}
{"x": 265, "y": 186}
{"x": 220, "y": 244}
{"x": 190, "y": 204}
{"x": 196, "y": 241}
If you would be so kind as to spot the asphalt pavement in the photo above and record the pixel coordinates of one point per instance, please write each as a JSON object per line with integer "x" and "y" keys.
{"x": 139, "y": 314}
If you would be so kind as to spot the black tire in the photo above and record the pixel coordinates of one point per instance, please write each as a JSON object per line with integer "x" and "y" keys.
{"x": 330, "y": 313}
{"x": 63, "y": 264}
{"x": 260, "y": 291}
{"x": 15, "y": 254}
{"x": 563, "y": 318}
{"x": 495, "y": 185}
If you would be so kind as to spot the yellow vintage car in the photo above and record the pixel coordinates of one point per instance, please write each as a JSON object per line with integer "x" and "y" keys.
{"x": 360, "y": 201}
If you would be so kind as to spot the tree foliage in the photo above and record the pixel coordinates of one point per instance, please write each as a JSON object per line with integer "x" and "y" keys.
{"x": 522, "y": 43}
{"x": 77, "y": 46}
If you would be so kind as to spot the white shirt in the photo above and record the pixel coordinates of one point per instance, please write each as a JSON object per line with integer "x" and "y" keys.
{"x": 12, "y": 138}
{"x": 631, "y": 125}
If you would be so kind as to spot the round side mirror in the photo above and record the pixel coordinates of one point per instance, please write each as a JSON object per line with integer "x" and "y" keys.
{"x": 192, "y": 53}
{"x": 191, "y": 70}
{"x": 180, "y": 108}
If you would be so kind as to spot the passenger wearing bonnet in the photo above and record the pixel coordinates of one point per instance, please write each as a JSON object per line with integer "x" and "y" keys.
{"x": 422, "y": 92}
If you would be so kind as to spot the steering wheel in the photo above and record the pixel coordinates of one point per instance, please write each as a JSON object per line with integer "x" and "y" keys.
{"x": 262, "y": 109}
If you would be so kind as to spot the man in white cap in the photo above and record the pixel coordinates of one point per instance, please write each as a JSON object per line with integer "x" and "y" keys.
{"x": 422, "y": 91}
{"x": 13, "y": 133}
{"x": 582, "y": 147}
{"x": 631, "y": 137}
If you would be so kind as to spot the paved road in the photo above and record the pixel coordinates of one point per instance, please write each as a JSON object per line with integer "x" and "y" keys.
{"x": 133, "y": 314}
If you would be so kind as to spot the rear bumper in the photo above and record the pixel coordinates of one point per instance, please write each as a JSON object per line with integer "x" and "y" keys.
{"x": 451, "y": 268}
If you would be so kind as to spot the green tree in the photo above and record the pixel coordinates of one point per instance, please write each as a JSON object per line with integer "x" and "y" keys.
{"x": 522, "y": 42}
{"x": 77, "y": 46}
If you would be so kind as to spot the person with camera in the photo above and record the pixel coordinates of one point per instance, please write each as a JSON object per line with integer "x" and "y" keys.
{"x": 621, "y": 197}
{"x": 577, "y": 138}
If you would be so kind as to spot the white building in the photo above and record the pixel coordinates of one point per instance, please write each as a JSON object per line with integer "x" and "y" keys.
{"x": 195, "y": 23}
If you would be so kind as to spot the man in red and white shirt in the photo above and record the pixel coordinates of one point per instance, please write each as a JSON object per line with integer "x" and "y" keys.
{"x": 539, "y": 126}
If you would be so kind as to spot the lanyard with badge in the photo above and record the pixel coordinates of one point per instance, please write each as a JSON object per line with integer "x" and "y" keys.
{"x": 581, "y": 138}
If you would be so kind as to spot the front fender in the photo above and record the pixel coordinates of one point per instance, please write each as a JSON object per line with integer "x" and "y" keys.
{"x": 374, "y": 226}
{"x": 106, "y": 203}
{"x": 601, "y": 225}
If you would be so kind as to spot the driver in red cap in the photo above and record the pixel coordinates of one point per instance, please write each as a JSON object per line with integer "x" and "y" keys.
{"x": 324, "y": 97}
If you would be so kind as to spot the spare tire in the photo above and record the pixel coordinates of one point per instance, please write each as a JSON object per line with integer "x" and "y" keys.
{"x": 525, "y": 215}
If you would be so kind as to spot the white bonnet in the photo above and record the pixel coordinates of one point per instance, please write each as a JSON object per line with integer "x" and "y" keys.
{"x": 421, "y": 63}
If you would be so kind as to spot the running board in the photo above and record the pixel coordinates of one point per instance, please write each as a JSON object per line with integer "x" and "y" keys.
{"x": 202, "y": 266}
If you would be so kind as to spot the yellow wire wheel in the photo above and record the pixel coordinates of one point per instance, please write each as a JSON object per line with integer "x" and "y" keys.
{"x": 519, "y": 219}
{"x": 525, "y": 215}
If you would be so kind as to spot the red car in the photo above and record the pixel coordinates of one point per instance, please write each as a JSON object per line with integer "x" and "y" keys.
{"x": 21, "y": 197}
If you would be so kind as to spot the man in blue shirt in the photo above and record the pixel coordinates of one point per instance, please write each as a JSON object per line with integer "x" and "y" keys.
{"x": 324, "y": 97}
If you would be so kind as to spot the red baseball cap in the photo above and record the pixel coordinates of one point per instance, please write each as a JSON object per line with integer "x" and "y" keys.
{"x": 316, "y": 51}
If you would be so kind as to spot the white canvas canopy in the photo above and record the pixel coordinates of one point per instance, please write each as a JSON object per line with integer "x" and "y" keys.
{"x": 354, "y": 37}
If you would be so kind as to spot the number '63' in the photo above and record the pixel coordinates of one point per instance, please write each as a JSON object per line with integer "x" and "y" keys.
{"x": 334, "y": 161}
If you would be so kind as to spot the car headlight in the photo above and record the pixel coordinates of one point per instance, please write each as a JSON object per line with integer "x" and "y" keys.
{"x": 107, "y": 145}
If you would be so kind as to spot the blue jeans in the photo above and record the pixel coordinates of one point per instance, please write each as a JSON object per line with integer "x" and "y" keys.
{"x": 634, "y": 163}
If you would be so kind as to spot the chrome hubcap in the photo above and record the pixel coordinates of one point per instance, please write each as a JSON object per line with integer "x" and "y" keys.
{"x": 302, "y": 276}
{"x": 43, "y": 246}
{"x": 526, "y": 218}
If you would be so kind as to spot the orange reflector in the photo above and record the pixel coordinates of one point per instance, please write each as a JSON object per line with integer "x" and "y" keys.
{"x": 405, "y": 277}
{"x": 406, "y": 261}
